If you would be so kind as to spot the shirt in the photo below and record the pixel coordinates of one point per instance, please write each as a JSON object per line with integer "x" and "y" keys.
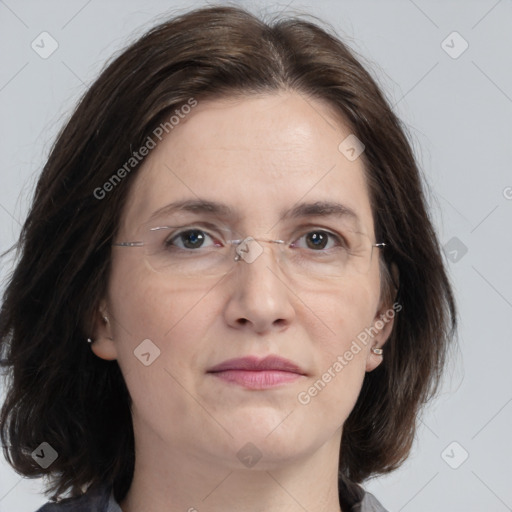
{"x": 353, "y": 498}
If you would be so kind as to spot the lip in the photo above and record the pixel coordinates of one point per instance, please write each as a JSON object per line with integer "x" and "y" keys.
{"x": 255, "y": 373}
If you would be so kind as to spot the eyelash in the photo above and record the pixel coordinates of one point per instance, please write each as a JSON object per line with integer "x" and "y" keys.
{"x": 169, "y": 242}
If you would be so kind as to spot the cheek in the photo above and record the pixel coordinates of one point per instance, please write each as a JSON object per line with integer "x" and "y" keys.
{"x": 340, "y": 348}
{"x": 146, "y": 306}
{"x": 343, "y": 312}
{"x": 145, "y": 303}
{"x": 153, "y": 317}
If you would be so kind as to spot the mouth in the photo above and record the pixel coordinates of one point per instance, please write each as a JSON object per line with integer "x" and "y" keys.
{"x": 254, "y": 373}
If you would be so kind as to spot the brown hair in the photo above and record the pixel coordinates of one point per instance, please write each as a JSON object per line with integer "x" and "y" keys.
{"x": 58, "y": 390}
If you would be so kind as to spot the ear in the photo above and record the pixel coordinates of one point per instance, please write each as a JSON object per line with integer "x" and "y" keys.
{"x": 383, "y": 322}
{"x": 383, "y": 325}
{"x": 103, "y": 344}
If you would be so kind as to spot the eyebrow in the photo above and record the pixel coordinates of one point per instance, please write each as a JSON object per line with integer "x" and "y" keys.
{"x": 311, "y": 209}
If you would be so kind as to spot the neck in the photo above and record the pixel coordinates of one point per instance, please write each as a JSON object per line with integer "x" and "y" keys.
{"x": 169, "y": 479}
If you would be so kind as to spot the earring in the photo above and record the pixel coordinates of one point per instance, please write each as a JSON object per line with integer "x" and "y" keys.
{"x": 106, "y": 319}
{"x": 377, "y": 351}
{"x": 89, "y": 340}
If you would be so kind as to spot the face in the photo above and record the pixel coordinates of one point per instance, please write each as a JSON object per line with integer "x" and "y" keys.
{"x": 260, "y": 156}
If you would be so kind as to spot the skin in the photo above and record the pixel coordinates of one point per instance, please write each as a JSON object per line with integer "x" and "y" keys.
{"x": 257, "y": 154}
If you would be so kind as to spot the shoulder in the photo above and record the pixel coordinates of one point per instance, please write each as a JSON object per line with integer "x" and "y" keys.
{"x": 369, "y": 503}
{"x": 101, "y": 499}
{"x": 98, "y": 499}
{"x": 354, "y": 498}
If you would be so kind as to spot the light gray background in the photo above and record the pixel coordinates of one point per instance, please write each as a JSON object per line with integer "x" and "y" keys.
{"x": 459, "y": 112}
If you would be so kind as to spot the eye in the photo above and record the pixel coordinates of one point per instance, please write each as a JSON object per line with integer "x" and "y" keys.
{"x": 319, "y": 239}
{"x": 193, "y": 238}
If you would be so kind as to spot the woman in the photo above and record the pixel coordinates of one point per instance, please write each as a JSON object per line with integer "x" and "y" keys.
{"x": 229, "y": 294}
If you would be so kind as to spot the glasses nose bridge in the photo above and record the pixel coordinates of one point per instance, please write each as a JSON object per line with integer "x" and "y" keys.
{"x": 250, "y": 248}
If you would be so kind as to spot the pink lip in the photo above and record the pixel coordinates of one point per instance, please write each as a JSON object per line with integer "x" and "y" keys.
{"x": 254, "y": 373}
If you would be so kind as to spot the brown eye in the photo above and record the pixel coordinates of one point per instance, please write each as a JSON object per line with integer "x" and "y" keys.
{"x": 319, "y": 240}
{"x": 189, "y": 239}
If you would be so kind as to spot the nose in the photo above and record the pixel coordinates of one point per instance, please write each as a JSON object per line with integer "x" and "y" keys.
{"x": 260, "y": 299}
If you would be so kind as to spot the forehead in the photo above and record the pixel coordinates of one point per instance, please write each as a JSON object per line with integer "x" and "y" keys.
{"x": 261, "y": 156}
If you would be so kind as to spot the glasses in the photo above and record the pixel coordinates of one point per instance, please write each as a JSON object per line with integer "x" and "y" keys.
{"x": 197, "y": 252}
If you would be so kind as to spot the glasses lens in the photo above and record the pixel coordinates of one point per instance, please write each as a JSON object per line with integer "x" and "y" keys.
{"x": 198, "y": 252}
{"x": 350, "y": 253}
{"x": 188, "y": 251}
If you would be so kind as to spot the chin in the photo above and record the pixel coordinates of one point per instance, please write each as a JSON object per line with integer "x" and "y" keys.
{"x": 272, "y": 438}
